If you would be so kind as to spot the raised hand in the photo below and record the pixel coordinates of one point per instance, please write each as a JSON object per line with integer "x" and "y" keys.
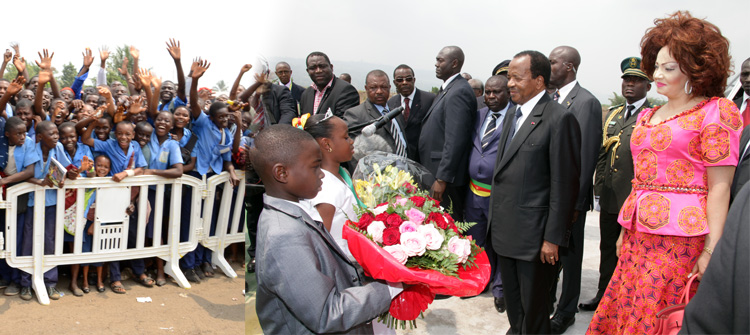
{"x": 124, "y": 69}
{"x": 16, "y": 85}
{"x": 59, "y": 106}
{"x": 45, "y": 76}
{"x": 156, "y": 81}
{"x": 88, "y": 58}
{"x": 198, "y": 68}
{"x": 104, "y": 54}
{"x": 174, "y": 48}
{"x": 16, "y": 48}
{"x": 19, "y": 63}
{"x": 100, "y": 111}
{"x": 145, "y": 77}
{"x": 46, "y": 60}
{"x": 246, "y": 68}
{"x": 77, "y": 104}
{"x": 134, "y": 52}
{"x": 7, "y": 56}
{"x": 104, "y": 92}
{"x": 237, "y": 106}
{"x": 136, "y": 106}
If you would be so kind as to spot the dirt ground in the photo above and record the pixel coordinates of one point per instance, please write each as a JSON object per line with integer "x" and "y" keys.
{"x": 215, "y": 306}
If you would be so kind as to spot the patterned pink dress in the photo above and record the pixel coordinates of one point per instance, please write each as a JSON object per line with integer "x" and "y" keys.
{"x": 665, "y": 213}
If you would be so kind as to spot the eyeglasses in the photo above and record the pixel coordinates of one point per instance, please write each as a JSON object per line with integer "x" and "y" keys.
{"x": 407, "y": 79}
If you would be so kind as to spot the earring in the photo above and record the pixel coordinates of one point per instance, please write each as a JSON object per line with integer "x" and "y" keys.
{"x": 329, "y": 149}
{"x": 686, "y": 88}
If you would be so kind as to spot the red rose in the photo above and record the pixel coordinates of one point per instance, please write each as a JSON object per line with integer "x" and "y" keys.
{"x": 393, "y": 220}
{"x": 451, "y": 223}
{"x": 391, "y": 236}
{"x": 435, "y": 203}
{"x": 382, "y": 217}
{"x": 417, "y": 201}
{"x": 438, "y": 219}
{"x": 364, "y": 221}
{"x": 409, "y": 187}
{"x": 381, "y": 204}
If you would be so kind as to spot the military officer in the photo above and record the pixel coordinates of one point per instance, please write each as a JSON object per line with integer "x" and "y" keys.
{"x": 614, "y": 169}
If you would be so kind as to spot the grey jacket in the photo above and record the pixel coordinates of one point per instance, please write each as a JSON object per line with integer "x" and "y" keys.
{"x": 306, "y": 284}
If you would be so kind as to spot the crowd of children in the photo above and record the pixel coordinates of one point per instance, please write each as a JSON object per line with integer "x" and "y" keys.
{"x": 148, "y": 127}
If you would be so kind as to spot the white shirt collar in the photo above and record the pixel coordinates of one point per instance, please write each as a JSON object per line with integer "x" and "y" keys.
{"x": 411, "y": 97}
{"x": 528, "y": 107}
{"x": 743, "y": 105}
{"x": 288, "y": 85}
{"x": 445, "y": 84}
{"x": 563, "y": 91}
{"x": 305, "y": 205}
{"x": 637, "y": 104}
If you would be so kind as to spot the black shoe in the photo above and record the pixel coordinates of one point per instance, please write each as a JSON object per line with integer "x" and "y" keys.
{"x": 592, "y": 304}
{"x": 561, "y": 323}
{"x": 441, "y": 296}
{"x": 192, "y": 277}
{"x": 251, "y": 266}
{"x": 500, "y": 305}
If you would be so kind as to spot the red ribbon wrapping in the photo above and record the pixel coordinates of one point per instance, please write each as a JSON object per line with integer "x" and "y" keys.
{"x": 379, "y": 264}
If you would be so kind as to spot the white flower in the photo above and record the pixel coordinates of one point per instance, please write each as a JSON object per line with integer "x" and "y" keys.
{"x": 432, "y": 236}
{"x": 380, "y": 210}
{"x": 397, "y": 252}
{"x": 414, "y": 243}
{"x": 460, "y": 247}
{"x": 375, "y": 229}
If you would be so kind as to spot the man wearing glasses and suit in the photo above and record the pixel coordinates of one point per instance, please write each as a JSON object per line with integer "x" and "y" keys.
{"x": 416, "y": 103}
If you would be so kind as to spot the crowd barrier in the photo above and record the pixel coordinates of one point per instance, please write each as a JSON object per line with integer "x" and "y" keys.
{"x": 111, "y": 224}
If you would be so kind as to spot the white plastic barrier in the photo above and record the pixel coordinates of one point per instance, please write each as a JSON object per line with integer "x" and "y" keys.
{"x": 221, "y": 238}
{"x": 110, "y": 239}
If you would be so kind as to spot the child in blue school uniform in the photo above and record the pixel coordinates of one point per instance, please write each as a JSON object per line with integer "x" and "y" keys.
{"x": 214, "y": 149}
{"x": 18, "y": 158}
{"x": 126, "y": 160}
{"x": 48, "y": 148}
{"x": 165, "y": 161}
{"x": 102, "y": 166}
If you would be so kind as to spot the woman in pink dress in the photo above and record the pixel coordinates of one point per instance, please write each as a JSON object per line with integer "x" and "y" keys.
{"x": 684, "y": 155}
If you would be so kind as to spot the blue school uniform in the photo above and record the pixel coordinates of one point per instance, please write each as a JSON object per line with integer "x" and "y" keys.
{"x": 163, "y": 155}
{"x": 41, "y": 169}
{"x": 214, "y": 145}
{"x": 121, "y": 160}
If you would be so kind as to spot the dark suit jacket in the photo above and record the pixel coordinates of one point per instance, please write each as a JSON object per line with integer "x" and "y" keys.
{"x": 535, "y": 182}
{"x": 612, "y": 182}
{"x": 306, "y": 284}
{"x": 446, "y": 132}
{"x": 721, "y": 304}
{"x": 422, "y": 102}
{"x": 738, "y": 101}
{"x": 340, "y": 97}
{"x": 281, "y": 105}
{"x": 742, "y": 173}
{"x": 366, "y": 113}
{"x": 296, "y": 91}
{"x": 588, "y": 112}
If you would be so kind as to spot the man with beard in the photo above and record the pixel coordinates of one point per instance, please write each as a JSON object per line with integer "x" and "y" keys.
{"x": 327, "y": 91}
{"x": 415, "y": 102}
{"x": 614, "y": 169}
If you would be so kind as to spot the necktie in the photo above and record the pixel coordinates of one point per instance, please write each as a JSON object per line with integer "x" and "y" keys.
{"x": 491, "y": 127}
{"x": 513, "y": 127}
{"x": 746, "y": 113}
{"x": 629, "y": 111}
{"x": 400, "y": 145}
{"x": 260, "y": 115}
{"x": 556, "y": 95}
{"x": 406, "y": 108}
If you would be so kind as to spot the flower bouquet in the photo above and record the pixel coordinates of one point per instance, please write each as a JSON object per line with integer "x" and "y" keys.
{"x": 407, "y": 237}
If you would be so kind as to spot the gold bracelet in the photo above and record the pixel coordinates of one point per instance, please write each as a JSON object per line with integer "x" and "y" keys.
{"x": 709, "y": 251}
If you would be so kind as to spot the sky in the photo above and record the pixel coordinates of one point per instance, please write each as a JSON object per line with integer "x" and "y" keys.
{"x": 359, "y": 36}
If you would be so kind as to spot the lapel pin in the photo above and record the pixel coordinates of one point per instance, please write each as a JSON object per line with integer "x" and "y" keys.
{"x": 533, "y": 123}
{"x": 568, "y": 103}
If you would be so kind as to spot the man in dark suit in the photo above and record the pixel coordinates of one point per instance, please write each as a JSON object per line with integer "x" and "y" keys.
{"x": 327, "y": 91}
{"x": 742, "y": 173}
{"x": 482, "y": 160}
{"x": 284, "y": 72}
{"x": 743, "y": 100}
{"x": 378, "y": 88}
{"x": 614, "y": 169}
{"x": 445, "y": 141}
{"x": 280, "y": 104}
{"x": 534, "y": 190}
{"x": 415, "y": 102}
{"x": 564, "y": 62}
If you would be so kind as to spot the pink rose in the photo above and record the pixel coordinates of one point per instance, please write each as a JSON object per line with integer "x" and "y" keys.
{"x": 407, "y": 227}
{"x": 401, "y": 201}
{"x": 397, "y": 252}
{"x": 375, "y": 229}
{"x": 414, "y": 243}
{"x": 431, "y": 235}
{"x": 415, "y": 215}
{"x": 460, "y": 247}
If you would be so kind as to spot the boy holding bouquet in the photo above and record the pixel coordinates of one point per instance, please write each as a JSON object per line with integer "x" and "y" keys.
{"x": 306, "y": 283}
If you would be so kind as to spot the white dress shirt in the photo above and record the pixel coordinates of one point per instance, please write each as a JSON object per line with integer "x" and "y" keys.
{"x": 527, "y": 108}
{"x": 445, "y": 84}
{"x": 565, "y": 90}
{"x": 411, "y": 98}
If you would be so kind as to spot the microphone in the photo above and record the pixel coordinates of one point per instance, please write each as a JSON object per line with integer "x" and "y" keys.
{"x": 381, "y": 121}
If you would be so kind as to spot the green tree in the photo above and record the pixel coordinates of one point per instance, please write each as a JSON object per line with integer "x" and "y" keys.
{"x": 68, "y": 76}
{"x": 221, "y": 87}
{"x": 616, "y": 100}
{"x": 11, "y": 72}
{"x": 435, "y": 90}
{"x": 114, "y": 63}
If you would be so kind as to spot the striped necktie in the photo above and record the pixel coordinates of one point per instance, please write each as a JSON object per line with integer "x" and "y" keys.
{"x": 491, "y": 127}
{"x": 400, "y": 148}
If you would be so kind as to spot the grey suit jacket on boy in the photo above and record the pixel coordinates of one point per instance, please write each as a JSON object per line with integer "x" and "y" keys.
{"x": 306, "y": 284}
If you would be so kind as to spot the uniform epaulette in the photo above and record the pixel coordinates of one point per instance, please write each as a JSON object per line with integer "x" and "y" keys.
{"x": 615, "y": 106}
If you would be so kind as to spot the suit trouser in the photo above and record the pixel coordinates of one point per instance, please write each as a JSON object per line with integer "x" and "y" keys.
{"x": 527, "y": 304}
{"x": 571, "y": 260}
{"x": 609, "y": 230}
{"x": 480, "y": 234}
{"x": 454, "y": 197}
